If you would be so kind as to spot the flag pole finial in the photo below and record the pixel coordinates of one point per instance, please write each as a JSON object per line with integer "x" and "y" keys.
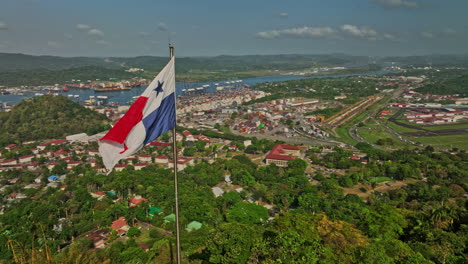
{"x": 171, "y": 50}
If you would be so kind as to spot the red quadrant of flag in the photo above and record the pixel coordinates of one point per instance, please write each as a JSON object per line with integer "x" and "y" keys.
{"x": 133, "y": 116}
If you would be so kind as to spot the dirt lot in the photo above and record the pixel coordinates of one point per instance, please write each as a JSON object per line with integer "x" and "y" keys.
{"x": 381, "y": 187}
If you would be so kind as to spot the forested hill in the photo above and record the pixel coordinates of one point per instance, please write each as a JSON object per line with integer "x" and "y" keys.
{"x": 48, "y": 117}
{"x": 19, "y": 62}
{"x": 451, "y": 83}
{"x": 49, "y": 77}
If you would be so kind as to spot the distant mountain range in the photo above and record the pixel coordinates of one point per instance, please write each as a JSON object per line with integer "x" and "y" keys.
{"x": 18, "y": 62}
{"x": 22, "y": 69}
{"x": 14, "y": 62}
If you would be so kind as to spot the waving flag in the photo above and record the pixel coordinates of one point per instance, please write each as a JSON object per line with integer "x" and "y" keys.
{"x": 151, "y": 115}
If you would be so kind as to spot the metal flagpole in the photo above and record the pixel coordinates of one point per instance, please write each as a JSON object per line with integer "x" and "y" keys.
{"x": 176, "y": 183}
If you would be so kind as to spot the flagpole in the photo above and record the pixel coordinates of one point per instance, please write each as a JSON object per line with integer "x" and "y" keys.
{"x": 176, "y": 183}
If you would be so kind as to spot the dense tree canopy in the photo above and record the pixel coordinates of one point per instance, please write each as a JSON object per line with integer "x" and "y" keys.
{"x": 48, "y": 117}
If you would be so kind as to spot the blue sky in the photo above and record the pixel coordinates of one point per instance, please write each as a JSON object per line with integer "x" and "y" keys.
{"x": 237, "y": 27}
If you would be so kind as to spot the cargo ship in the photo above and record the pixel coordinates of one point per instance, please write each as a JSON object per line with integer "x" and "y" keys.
{"x": 111, "y": 87}
{"x": 77, "y": 86}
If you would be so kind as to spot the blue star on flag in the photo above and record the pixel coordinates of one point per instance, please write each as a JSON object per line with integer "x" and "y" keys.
{"x": 159, "y": 89}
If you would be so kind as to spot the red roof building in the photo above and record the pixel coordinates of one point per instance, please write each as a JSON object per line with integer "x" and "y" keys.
{"x": 134, "y": 201}
{"x": 92, "y": 152}
{"x": 121, "y": 226}
{"x": 160, "y": 144}
{"x": 57, "y": 142}
{"x": 161, "y": 159}
{"x": 73, "y": 163}
{"x": 144, "y": 158}
{"x": 10, "y": 147}
{"x": 9, "y": 162}
{"x": 27, "y": 158}
{"x": 33, "y": 165}
{"x": 182, "y": 163}
{"x": 120, "y": 167}
{"x": 282, "y": 153}
{"x": 140, "y": 166}
{"x": 203, "y": 138}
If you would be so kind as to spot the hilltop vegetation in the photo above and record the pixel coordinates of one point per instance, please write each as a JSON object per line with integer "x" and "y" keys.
{"x": 184, "y": 64}
{"x": 51, "y": 77}
{"x": 424, "y": 222}
{"x": 47, "y": 117}
{"x": 447, "y": 82}
{"x": 15, "y": 61}
{"x": 20, "y": 69}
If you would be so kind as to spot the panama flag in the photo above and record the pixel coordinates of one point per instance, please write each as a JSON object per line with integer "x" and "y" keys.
{"x": 151, "y": 115}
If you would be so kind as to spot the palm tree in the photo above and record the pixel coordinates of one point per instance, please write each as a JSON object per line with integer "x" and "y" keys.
{"x": 443, "y": 217}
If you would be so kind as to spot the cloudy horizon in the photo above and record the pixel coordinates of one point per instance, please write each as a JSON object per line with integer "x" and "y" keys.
{"x": 210, "y": 28}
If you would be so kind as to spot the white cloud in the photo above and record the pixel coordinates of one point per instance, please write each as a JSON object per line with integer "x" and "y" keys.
{"x": 52, "y": 44}
{"x": 162, "y": 26}
{"x": 68, "y": 36}
{"x": 144, "y": 34}
{"x": 95, "y": 32}
{"x": 83, "y": 26}
{"x": 450, "y": 31}
{"x": 398, "y": 3}
{"x": 362, "y": 32}
{"x": 389, "y": 36}
{"x": 283, "y": 14}
{"x": 427, "y": 34}
{"x": 301, "y": 32}
{"x": 102, "y": 42}
{"x": 3, "y": 25}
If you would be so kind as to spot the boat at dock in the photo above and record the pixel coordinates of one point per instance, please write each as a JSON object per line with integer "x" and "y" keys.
{"x": 111, "y": 87}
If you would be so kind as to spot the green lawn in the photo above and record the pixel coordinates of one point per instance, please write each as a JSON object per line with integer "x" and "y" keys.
{"x": 376, "y": 132}
{"x": 344, "y": 136}
{"x": 343, "y": 130}
{"x": 397, "y": 128}
{"x": 143, "y": 237}
{"x": 405, "y": 121}
{"x": 400, "y": 129}
{"x": 455, "y": 141}
{"x": 461, "y": 125}
{"x": 379, "y": 179}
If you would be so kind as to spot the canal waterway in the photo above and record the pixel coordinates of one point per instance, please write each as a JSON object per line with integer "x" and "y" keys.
{"x": 124, "y": 97}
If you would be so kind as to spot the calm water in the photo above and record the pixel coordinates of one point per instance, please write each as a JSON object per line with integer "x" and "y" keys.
{"x": 123, "y": 97}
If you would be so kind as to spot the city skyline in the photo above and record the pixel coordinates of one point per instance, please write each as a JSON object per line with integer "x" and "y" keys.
{"x": 210, "y": 28}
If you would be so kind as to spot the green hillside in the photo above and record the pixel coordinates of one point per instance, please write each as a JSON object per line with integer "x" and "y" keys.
{"x": 447, "y": 82}
{"x": 50, "y": 77}
{"x": 11, "y": 62}
{"x": 48, "y": 117}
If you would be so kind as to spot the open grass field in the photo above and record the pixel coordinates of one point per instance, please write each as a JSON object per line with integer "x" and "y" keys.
{"x": 447, "y": 142}
{"x": 379, "y": 179}
{"x": 343, "y": 135}
{"x": 461, "y": 125}
{"x": 449, "y": 136}
{"x": 398, "y": 128}
{"x": 372, "y": 135}
{"x": 343, "y": 131}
